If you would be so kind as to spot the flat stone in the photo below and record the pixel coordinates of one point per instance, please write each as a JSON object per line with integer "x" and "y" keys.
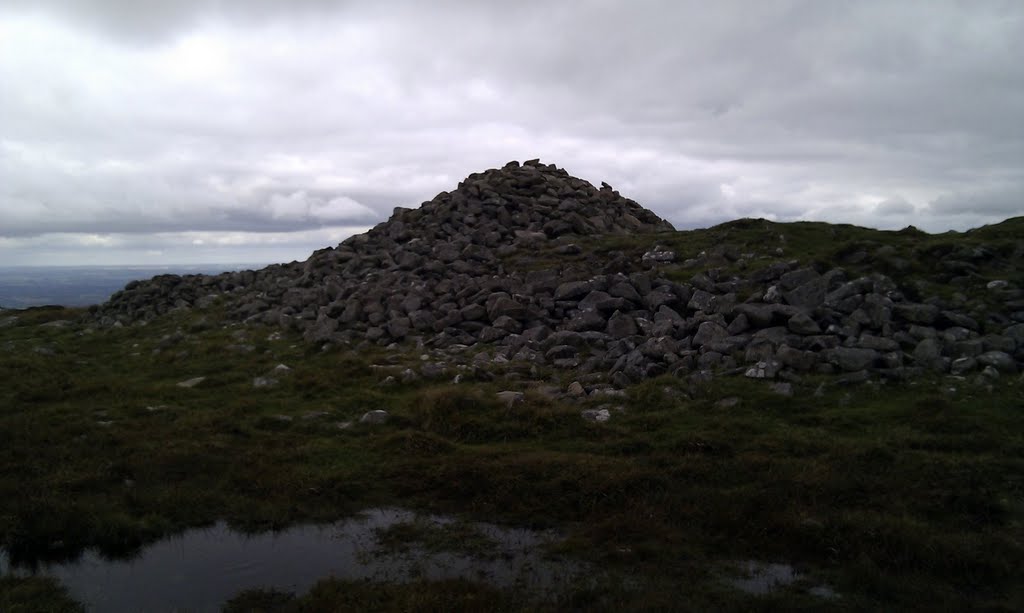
{"x": 596, "y": 415}
{"x": 375, "y": 417}
{"x": 852, "y": 359}
{"x": 878, "y": 343}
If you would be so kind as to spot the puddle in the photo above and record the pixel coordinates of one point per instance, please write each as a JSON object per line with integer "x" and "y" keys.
{"x": 201, "y": 569}
{"x": 760, "y": 578}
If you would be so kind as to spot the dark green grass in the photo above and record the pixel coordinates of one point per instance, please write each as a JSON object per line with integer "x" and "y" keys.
{"x": 900, "y": 498}
{"x": 35, "y": 595}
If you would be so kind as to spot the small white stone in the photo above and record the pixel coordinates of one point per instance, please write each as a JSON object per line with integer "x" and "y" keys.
{"x": 194, "y": 381}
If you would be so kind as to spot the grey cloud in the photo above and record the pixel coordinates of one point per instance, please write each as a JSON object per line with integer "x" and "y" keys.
{"x": 256, "y": 116}
{"x": 893, "y": 206}
{"x": 1005, "y": 201}
{"x": 152, "y": 22}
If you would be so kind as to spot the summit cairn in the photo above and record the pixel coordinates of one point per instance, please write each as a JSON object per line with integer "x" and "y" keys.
{"x": 431, "y": 270}
{"x": 515, "y": 265}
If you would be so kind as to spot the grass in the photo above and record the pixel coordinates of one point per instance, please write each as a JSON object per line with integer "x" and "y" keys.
{"x": 35, "y": 595}
{"x": 899, "y": 497}
{"x": 336, "y": 595}
{"x": 457, "y": 537}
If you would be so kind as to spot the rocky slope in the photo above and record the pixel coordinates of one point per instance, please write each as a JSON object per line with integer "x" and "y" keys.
{"x": 517, "y": 261}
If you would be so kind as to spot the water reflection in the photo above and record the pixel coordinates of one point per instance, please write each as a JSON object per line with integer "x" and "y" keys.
{"x": 199, "y": 570}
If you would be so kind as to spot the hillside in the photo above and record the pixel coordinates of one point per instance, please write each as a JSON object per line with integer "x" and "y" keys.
{"x": 550, "y": 270}
{"x": 690, "y": 413}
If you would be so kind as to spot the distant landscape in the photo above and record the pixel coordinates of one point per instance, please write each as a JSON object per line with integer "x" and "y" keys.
{"x": 76, "y": 286}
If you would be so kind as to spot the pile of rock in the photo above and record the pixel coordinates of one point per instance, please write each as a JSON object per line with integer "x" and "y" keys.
{"x": 434, "y": 276}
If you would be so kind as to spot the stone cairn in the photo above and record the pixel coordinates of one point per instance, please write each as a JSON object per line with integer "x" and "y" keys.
{"x": 437, "y": 276}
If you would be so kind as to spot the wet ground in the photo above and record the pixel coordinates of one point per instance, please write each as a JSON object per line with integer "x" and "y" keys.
{"x": 201, "y": 569}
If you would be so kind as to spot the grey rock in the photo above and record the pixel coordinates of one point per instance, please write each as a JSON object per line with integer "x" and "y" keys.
{"x": 658, "y": 255}
{"x": 803, "y": 324}
{"x": 796, "y": 359}
{"x": 576, "y": 390}
{"x": 992, "y": 342}
{"x": 657, "y": 298}
{"x": 810, "y": 295}
{"x": 596, "y": 415}
{"x": 852, "y": 359}
{"x": 625, "y": 289}
{"x": 660, "y": 347}
{"x": 701, "y": 301}
{"x": 321, "y": 331}
{"x": 500, "y": 304}
{"x": 928, "y": 354}
{"x": 473, "y": 312}
{"x": 707, "y": 332}
{"x": 560, "y": 352}
{"x": 597, "y": 299}
{"x": 878, "y": 343}
{"x": 962, "y": 366}
{"x": 374, "y": 418}
{"x": 1000, "y": 360}
{"x": 738, "y": 325}
{"x": 573, "y": 290}
{"x": 763, "y": 370}
{"x": 587, "y": 320}
{"x": 955, "y": 334}
{"x": 923, "y": 332}
{"x": 1015, "y": 332}
{"x": 758, "y": 350}
{"x": 794, "y": 279}
{"x": 971, "y": 348}
{"x": 190, "y": 383}
{"x": 763, "y": 315}
{"x": 923, "y": 314}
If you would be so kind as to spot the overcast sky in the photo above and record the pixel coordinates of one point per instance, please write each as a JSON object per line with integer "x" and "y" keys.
{"x": 181, "y": 131}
